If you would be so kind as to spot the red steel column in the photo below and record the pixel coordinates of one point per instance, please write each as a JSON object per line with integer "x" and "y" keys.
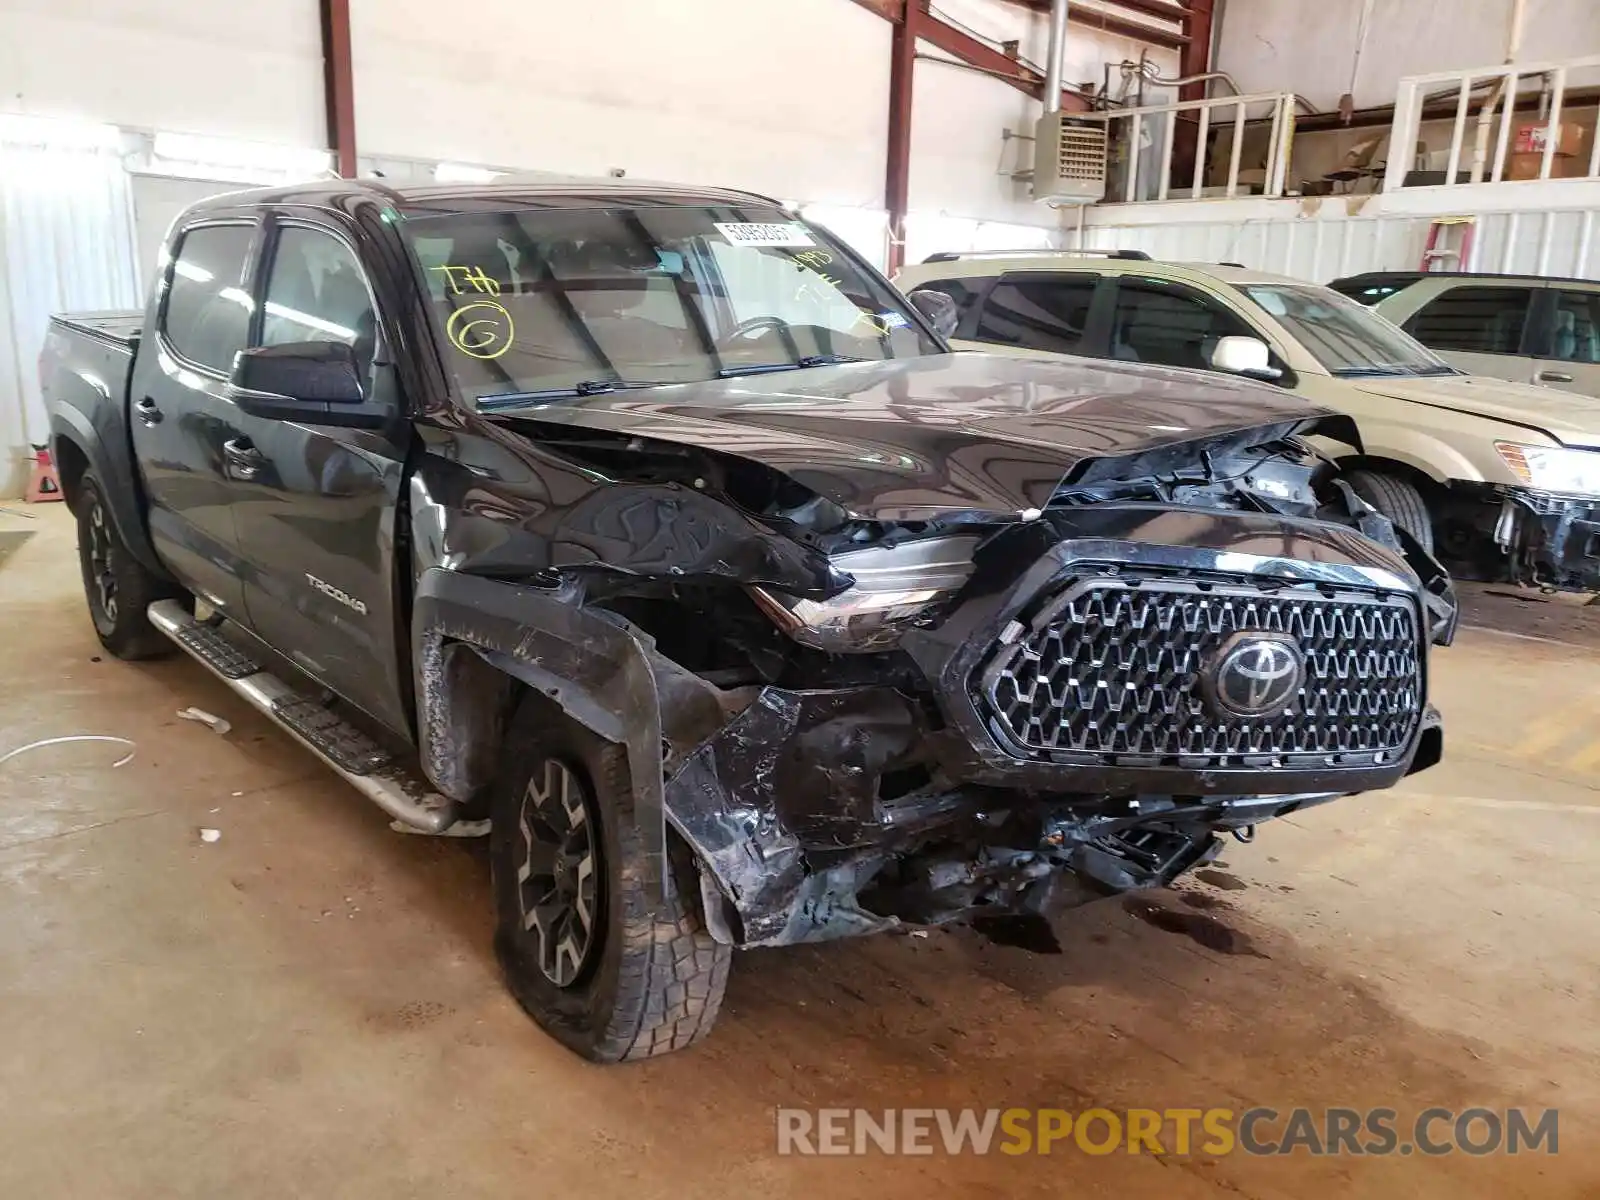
{"x": 338, "y": 84}
{"x": 897, "y": 173}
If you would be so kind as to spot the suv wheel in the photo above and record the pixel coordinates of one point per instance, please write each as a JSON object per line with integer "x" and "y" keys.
{"x": 581, "y": 949}
{"x": 1398, "y": 499}
{"x": 117, "y": 586}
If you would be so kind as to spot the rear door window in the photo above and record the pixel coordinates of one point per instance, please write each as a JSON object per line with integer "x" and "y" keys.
{"x": 1474, "y": 319}
{"x": 1576, "y": 337}
{"x": 206, "y": 317}
{"x": 1175, "y": 326}
{"x": 1039, "y": 313}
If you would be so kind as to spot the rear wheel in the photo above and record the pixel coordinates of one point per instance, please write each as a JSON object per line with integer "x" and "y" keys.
{"x": 117, "y": 586}
{"x": 582, "y": 950}
{"x": 1398, "y": 499}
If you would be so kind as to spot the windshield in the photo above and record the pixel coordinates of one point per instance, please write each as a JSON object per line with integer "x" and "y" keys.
{"x": 1346, "y": 338}
{"x": 543, "y": 303}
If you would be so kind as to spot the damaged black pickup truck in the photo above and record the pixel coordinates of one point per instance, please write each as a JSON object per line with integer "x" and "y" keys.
{"x": 650, "y": 530}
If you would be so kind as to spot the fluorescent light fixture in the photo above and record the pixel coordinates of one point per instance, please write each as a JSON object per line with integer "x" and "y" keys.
{"x": 447, "y": 172}
{"x": 57, "y": 134}
{"x": 198, "y": 150}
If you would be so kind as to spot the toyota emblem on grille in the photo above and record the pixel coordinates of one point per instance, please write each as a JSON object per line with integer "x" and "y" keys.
{"x": 1256, "y": 675}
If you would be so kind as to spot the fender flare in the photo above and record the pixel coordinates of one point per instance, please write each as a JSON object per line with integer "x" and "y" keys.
{"x": 594, "y": 668}
{"x": 124, "y": 497}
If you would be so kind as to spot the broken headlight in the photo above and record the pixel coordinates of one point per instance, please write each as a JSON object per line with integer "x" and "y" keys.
{"x": 1552, "y": 468}
{"x": 893, "y": 584}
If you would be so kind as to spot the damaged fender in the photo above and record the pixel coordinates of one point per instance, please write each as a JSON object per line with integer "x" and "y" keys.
{"x": 594, "y": 668}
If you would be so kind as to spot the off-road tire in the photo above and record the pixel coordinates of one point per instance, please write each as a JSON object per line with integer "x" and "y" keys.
{"x": 654, "y": 981}
{"x": 1398, "y": 499}
{"x": 117, "y": 586}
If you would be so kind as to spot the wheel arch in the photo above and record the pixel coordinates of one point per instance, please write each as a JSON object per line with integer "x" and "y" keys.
{"x": 480, "y": 644}
{"x": 78, "y": 448}
{"x": 1420, "y": 477}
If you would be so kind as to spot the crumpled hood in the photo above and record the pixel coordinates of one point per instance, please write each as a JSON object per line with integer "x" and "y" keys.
{"x": 1570, "y": 419}
{"x": 906, "y": 438}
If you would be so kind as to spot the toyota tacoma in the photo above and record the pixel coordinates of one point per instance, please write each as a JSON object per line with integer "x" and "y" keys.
{"x": 648, "y": 531}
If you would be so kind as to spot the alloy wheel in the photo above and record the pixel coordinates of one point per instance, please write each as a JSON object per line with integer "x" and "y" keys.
{"x": 557, "y": 881}
{"x": 102, "y": 576}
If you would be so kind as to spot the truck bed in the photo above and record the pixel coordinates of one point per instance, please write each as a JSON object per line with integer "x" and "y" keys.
{"x": 120, "y": 327}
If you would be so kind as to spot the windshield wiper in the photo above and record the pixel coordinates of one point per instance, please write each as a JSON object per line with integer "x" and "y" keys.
{"x": 587, "y": 387}
{"x": 1391, "y": 370}
{"x": 804, "y": 361}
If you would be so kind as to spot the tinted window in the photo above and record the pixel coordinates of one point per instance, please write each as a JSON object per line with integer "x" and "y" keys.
{"x": 1158, "y": 323}
{"x": 316, "y": 293}
{"x": 1577, "y": 332}
{"x": 207, "y": 315}
{"x": 1480, "y": 320}
{"x": 1040, "y": 314}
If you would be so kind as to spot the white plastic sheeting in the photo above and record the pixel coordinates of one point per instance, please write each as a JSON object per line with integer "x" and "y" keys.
{"x": 67, "y": 243}
{"x": 1556, "y": 242}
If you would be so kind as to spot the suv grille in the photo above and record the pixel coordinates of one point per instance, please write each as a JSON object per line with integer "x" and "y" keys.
{"x": 1115, "y": 668}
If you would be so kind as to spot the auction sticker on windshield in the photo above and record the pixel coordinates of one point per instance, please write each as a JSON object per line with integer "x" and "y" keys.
{"x": 754, "y": 233}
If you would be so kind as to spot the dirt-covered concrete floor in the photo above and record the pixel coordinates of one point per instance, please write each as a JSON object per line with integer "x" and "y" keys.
{"x": 309, "y": 1006}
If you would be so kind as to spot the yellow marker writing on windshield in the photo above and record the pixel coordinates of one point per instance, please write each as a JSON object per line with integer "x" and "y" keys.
{"x": 482, "y": 329}
{"x": 474, "y": 278}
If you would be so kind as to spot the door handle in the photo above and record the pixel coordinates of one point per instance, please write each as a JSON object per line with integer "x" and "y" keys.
{"x": 149, "y": 414}
{"x": 244, "y": 461}
{"x": 1554, "y": 377}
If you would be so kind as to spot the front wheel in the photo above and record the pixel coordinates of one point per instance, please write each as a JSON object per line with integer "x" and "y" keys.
{"x": 1398, "y": 499}
{"x": 117, "y": 586}
{"x": 582, "y": 949}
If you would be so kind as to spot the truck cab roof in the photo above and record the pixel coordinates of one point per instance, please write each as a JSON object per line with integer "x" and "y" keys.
{"x": 500, "y": 195}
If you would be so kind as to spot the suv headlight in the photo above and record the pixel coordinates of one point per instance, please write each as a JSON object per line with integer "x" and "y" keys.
{"x": 892, "y": 585}
{"x": 1552, "y": 468}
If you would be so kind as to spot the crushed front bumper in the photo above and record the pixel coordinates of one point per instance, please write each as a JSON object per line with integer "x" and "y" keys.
{"x": 797, "y": 803}
{"x": 1552, "y": 540}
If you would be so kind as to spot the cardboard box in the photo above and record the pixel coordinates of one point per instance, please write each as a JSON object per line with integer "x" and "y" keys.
{"x": 1562, "y": 166}
{"x": 1531, "y": 138}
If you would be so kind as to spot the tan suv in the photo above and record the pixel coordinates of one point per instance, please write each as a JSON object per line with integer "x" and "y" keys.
{"x": 1503, "y": 478}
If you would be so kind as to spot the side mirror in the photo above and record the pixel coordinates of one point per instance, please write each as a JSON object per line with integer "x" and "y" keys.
{"x": 941, "y": 311}
{"x": 1245, "y": 356}
{"x": 318, "y": 383}
{"x": 321, "y": 372}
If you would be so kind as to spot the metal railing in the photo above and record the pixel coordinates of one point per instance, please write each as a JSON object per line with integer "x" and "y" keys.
{"x": 1491, "y": 118}
{"x": 1147, "y": 168}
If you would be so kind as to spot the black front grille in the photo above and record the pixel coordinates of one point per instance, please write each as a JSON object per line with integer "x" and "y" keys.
{"x": 1112, "y": 668}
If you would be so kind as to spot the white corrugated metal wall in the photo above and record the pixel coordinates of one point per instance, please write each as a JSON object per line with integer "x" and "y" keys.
{"x": 1565, "y": 243}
